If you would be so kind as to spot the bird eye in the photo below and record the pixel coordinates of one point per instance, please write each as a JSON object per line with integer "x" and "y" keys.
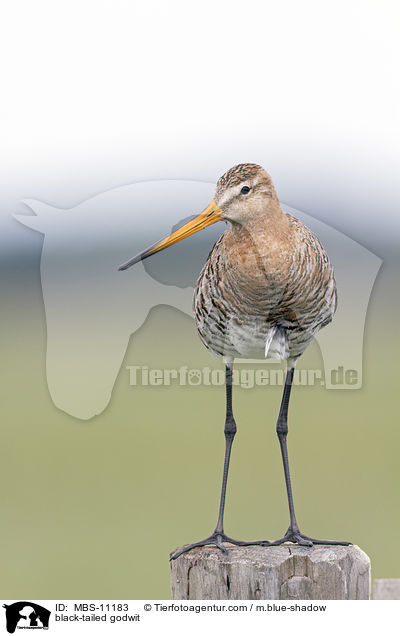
{"x": 245, "y": 190}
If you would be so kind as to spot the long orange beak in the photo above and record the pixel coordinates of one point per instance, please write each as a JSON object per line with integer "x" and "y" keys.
{"x": 210, "y": 215}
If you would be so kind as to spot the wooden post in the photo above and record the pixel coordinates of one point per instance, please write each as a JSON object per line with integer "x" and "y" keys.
{"x": 285, "y": 572}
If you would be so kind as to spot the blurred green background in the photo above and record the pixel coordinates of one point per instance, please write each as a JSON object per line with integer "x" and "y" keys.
{"x": 92, "y": 509}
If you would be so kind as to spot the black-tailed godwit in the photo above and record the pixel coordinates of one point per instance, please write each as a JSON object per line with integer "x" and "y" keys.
{"x": 266, "y": 289}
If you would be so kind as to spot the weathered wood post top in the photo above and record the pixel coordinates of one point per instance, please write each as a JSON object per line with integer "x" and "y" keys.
{"x": 284, "y": 572}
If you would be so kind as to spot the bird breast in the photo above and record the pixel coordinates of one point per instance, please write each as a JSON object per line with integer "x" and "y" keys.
{"x": 264, "y": 294}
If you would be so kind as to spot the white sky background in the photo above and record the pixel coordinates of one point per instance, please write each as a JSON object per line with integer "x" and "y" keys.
{"x": 97, "y": 94}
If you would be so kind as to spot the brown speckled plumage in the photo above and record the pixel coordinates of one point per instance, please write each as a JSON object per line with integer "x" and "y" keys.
{"x": 268, "y": 285}
{"x": 238, "y": 174}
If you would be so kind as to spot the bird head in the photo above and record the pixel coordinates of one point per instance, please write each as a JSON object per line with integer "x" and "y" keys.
{"x": 241, "y": 194}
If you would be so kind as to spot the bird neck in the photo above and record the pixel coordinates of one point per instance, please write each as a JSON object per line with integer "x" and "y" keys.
{"x": 267, "y": 226}
{"x": 262, "y": 244}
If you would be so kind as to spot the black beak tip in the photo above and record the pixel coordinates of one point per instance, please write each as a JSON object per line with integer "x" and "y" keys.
{"x": 132, "y": 261}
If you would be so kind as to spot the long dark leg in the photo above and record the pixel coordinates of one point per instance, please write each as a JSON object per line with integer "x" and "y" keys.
{"x": 218, "y": 536}
{"x": 293, "y": 533}
{"x": 230, "y": 432}
{"x": 282, "y": 432}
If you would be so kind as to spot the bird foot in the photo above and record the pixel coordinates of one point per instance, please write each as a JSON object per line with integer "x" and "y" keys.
{"x": 218, "y": 539}
{"x": 295, "y": 536}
